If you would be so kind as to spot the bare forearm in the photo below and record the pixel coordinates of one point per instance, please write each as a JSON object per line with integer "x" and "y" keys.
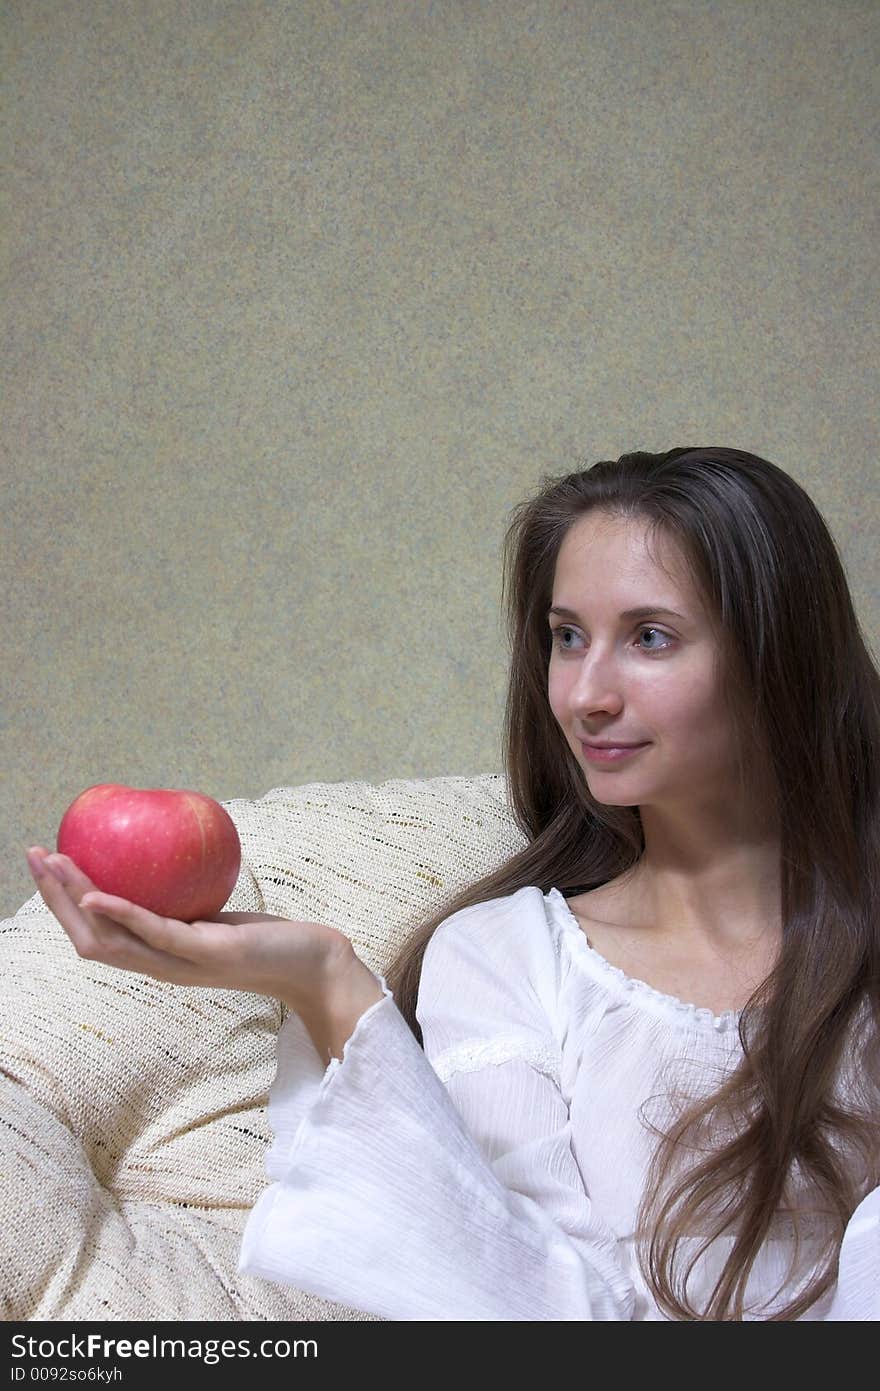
{"x": 330, "y": 1019}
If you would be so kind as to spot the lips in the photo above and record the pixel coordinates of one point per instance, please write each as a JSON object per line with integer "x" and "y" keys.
{"x": 606, "y": 754}
{"x": 614, "y": 744}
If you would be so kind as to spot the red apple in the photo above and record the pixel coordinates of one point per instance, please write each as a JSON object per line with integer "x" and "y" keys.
{"x": 175, "y": 853}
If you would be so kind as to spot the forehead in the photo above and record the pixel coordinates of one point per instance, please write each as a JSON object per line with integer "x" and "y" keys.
{"x": 602, "y": 554}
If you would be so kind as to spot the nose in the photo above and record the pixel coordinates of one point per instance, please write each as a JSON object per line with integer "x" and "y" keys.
{"x": 597, "y": 688}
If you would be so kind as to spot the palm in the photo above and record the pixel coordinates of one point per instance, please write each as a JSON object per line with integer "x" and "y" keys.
{"x": 258, "y": 952}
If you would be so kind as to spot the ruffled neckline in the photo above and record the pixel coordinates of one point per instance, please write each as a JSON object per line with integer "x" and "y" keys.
{"x": 695, "y": 1015}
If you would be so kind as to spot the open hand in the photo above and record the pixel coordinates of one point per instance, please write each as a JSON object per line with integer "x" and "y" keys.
{"x": 292, "y": 961}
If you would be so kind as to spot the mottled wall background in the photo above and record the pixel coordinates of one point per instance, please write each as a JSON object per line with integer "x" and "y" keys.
{"x": 301, "y": 298}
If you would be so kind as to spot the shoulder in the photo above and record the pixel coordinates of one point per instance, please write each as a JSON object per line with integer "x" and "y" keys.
{"x": 503, "y": 945}
{"x": 520, "y": 920}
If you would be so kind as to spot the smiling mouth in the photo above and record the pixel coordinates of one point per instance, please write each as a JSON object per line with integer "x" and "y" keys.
{"x": 591, "y": 745}
{"x": 610, "y": 753}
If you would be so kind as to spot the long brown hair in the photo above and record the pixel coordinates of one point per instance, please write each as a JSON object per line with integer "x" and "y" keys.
{"x": 803, "y": 694}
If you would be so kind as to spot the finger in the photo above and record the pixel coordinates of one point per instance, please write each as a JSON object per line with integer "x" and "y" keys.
{"x": 100, "y": 937}
{"x": 36, "y": 855}
{"x": 52, "y": 881}
{"x": 68, "y": 871}
{"x": 83, "y": 931}
{"x": 46, "y": 867}
{"x": 127, "y": 938}
{"x": 48, "y": 878}
{"x": 61, "y": 885}
{"x": 174, "y": 939}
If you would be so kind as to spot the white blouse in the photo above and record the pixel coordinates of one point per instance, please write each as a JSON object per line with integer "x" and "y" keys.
{"x": 497, "y": 1174}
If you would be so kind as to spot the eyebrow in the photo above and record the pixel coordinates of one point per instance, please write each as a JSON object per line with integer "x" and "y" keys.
{"x": 646, "y": 611}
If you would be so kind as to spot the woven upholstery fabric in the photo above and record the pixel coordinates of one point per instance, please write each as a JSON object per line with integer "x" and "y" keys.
{"x": 133, "y": 1111}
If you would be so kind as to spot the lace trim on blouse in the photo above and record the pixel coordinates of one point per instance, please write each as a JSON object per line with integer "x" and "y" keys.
{"x": 473, "y": 1054}
{"x": 639, "y": 990}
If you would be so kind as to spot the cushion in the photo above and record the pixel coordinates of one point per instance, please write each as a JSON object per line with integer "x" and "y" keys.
{"x": 133, "y": 1111}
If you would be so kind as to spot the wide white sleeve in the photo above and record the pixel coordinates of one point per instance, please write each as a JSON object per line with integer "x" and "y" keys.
{"x": 415, "y": 1198}
{"x": 857, "y": 1296}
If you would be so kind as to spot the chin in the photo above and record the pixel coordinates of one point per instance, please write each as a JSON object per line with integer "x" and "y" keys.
{"x": 608, "y": 799}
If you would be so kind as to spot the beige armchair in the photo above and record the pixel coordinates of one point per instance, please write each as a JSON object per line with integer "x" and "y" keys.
{"x": 133, "y": 1112}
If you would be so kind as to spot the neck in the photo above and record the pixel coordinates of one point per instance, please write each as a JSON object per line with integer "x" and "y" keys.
{"x": 707, "y": 885}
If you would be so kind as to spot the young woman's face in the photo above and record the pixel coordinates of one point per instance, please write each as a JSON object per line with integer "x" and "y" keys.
{"x": 648, "y": 680}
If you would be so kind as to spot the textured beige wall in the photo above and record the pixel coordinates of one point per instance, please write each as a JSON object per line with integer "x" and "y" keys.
{"x": 301, "y": 298}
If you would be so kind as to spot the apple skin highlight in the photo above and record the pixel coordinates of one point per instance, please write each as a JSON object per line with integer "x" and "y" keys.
{"x": 173, "y": 852}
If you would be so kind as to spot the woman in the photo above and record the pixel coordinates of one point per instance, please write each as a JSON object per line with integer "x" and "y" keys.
{"x": 632, "y": 1073}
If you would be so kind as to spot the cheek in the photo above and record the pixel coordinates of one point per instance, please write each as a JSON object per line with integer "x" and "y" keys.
{"x": 690, "y": 715}
{"x": 558, "y": 690}
{"x": 679, "y": 705}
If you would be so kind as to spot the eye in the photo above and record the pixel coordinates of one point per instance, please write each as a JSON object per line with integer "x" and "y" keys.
{"x": 557, "y": 635}
{"x": 659, "y": 633}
